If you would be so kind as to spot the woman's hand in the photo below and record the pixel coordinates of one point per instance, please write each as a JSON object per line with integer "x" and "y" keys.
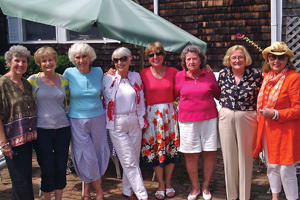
{"x": 208, "y": 69}
{"x": 111, "y": 71}
{"x": 267, "y": 112}
{"x": 7, "y": 151}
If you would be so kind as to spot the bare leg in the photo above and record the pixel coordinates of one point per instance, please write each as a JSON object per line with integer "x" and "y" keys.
{"x": 47, "y": 195}
{"x": 275, "y": 196}
{"x": 168, "y": 173}
{"x": 86, "y": 191}
{"x": 208, "y": 168}
{"x": 159, "y": 172}
{"x": 58, "y": 194}
{"x": 97, "y": 186}
{"x": 191, "y": 160}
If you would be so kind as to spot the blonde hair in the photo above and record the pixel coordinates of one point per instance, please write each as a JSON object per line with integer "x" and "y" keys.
{"x": 42, "y": 52}
{"x": 226, "y": 59}
{"x": 155, "y": 46}
{"x": 82, "y": 48}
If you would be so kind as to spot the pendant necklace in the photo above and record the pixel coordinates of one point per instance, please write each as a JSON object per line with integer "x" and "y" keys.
{"x": 16, "y": 82}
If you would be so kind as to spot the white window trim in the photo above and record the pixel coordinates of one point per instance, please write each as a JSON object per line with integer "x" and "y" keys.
{"x": 61, "y": 35}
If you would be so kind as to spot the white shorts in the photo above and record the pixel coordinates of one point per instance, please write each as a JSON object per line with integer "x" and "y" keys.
{"x": 199, "y": 136}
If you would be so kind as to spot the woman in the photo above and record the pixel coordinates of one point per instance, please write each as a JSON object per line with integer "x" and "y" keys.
{"x": 89, "y": 146}
{"x": 161, "y": 138}
{"x": 278, "y": 108}
{"x": 17, "y": 122}
{"x": 51, "y": 91}
{"x": 239, "y": 84}
{"x": 125, "y": 118}
{"x": 197, "y": 116}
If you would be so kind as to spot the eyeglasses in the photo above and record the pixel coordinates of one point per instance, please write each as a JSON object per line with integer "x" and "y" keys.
{"x": 237, "y": 58}
{"x": 157, "y": 54}
{"x": 122, "y": 59}
{"x": 273, "y": 57}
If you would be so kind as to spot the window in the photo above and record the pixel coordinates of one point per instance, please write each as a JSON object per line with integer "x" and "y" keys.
{"x": 38, "y": 32}
{"x": 27, "y": 32}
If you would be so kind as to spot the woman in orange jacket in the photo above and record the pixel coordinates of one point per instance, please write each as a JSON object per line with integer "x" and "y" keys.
{"x": 278, "y": 107}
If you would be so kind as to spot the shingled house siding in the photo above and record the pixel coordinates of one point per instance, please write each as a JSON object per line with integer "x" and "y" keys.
{"x": 216, "y": 22}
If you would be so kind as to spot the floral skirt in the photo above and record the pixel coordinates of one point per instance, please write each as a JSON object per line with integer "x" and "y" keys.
{"x": 160, "y": 142}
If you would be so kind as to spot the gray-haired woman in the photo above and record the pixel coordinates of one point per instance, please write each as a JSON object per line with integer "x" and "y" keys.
{"x": 125, "y": 108}
{"x": 89, "y": 146}
{"x": 17, "y": 122}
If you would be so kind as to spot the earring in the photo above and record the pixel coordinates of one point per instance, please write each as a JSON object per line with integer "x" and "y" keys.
{"x": 288, "y": 64}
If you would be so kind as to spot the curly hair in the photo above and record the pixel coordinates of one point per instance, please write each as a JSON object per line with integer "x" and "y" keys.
{"x": 82, "y": 48}
{"x": 195, "y": 49}
{"x": 17, "y": 51}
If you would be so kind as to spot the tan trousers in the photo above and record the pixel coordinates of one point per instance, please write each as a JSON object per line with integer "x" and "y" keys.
{"x": 237, "y": 131}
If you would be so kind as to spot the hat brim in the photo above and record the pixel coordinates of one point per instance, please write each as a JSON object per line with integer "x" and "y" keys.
{"x": 269, "y": 50}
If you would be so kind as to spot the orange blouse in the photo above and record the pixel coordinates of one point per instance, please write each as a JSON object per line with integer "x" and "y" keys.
{"x": 283, "y": 135}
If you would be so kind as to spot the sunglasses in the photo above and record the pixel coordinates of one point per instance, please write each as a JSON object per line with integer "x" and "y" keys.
{"x": 157, "y": 54}
{"x": 122, "y": 59}
{"x": 273, "y": 57}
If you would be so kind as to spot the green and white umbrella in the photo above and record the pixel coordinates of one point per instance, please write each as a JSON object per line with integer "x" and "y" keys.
{"x": 122, "y": 20}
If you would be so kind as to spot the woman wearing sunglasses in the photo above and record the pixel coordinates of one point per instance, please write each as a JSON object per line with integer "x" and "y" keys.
{"x": 278, "y": 108}
{"x": 125, "y": 118}
{"x": 161, "y": 139}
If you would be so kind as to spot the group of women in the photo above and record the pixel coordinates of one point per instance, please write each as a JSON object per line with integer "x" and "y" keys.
{"x": 260, "y": 112}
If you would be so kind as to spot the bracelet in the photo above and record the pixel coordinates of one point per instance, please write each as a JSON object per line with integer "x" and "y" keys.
{"x": 4, "y": 145}
{"x": 276, "y": 115}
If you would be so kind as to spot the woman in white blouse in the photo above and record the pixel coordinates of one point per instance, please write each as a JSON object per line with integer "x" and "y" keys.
{"x": 125, "y": 118}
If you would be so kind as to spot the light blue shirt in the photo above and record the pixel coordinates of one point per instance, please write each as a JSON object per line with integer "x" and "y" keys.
{"x": 85, "y": 90}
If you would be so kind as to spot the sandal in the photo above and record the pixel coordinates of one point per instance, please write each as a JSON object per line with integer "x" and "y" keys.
{"x": 168, "y": 191}
{"x": 160, "y": 192}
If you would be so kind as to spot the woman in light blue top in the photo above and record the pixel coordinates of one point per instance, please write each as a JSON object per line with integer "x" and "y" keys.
{"x": 89, "y": 146}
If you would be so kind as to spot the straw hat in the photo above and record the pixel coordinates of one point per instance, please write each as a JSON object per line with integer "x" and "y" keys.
{"x": 278, "y": 48}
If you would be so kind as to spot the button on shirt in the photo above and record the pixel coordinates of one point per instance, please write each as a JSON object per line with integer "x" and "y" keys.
{"x": 242, "y": 96}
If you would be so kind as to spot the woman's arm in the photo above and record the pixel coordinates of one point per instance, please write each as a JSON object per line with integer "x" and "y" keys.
{"x": 7, "y": 151}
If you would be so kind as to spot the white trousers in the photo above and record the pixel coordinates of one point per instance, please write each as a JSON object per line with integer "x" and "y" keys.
{"x": 127, "y": 139}
{"x": 281, "y": 175}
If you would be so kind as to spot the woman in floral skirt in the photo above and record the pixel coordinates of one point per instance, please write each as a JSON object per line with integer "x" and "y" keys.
{"x": 161, "y": 139}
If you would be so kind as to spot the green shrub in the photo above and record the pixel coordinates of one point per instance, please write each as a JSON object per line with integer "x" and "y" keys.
{"x": 62, "y": 63}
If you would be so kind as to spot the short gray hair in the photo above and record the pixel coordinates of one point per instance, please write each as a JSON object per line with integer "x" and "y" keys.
{"x": 195, "y": 49}
{"x": 17, "y": 51}
{"x": 82, "y": 48}
{"x": 120, "y": 52}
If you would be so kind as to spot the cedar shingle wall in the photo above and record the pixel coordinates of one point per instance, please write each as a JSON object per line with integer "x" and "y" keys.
{"x": 216, "y": 22}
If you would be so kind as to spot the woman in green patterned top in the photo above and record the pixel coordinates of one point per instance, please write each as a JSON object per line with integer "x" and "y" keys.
{"x": 17, "y": 122}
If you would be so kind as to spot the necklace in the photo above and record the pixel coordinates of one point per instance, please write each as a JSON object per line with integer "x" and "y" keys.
{"x": 16, "y": 82}
{"x": 158, "y": 74}
{"x": 124, "y": 79}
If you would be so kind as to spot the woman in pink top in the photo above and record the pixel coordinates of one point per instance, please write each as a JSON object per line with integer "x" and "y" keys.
{"x": 161, "y": 139}
{"x": 197, "y": 117}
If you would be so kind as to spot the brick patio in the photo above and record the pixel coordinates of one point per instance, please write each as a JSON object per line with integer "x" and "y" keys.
{"x": 181, "y": 183}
